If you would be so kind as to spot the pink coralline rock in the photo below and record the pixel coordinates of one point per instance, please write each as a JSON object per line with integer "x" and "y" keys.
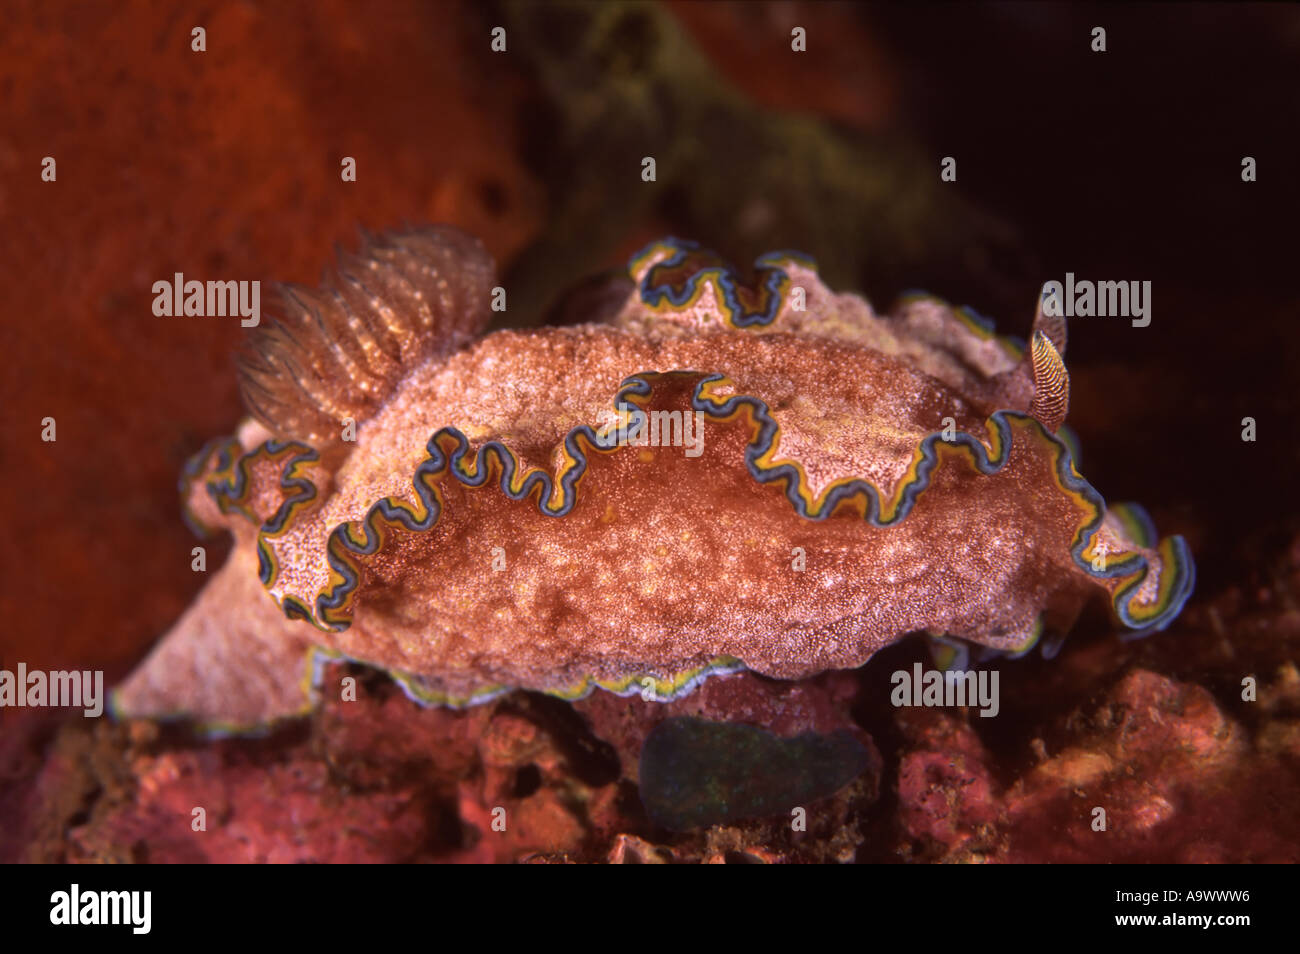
{"x": 631, "y": 850}
{"x": 370, "y": 780}
{"x": 1178, "y": 778}
{"x": 1171, "y": 771}
{"x": 377, "y": 780}
{"x": 948, "y": 802}
{"x": 529, "y": 799}
{"x": 36, "y": 787}
{"x": 276, "y": 814}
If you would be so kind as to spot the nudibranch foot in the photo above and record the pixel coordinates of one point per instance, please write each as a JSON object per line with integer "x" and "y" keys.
{"x": 233, "y": 662}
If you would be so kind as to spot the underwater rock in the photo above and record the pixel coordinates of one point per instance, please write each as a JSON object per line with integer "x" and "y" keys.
{"x": 947, "y": 798}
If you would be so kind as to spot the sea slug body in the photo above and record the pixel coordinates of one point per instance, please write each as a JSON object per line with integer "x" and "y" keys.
{"x": 726, "y": 473}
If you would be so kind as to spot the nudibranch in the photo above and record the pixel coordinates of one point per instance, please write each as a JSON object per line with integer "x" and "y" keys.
{"x": 731, "y": 470}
